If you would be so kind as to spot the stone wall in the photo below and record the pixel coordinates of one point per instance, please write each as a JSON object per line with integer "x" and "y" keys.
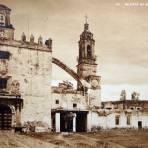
{"x": 31, "y": 66}
{"x": 106, "y": 117}
{"x": 67, "y": 100}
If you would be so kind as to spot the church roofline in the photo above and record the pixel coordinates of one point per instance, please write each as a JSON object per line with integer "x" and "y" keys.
{"x": 25, "y": 45}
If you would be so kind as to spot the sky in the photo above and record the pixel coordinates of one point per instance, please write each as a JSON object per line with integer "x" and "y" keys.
{"x": 120, "y": 29}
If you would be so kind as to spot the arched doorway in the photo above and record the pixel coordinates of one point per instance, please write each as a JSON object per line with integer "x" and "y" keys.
{"x": 5, "y": 117}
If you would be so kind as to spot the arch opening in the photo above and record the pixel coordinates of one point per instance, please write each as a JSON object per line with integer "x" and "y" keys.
{"x": 68, "y": 70}
{"x": 89, "y": 53}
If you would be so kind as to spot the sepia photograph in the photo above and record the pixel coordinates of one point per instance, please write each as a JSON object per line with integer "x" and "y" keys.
{"x": 73, "y": 74}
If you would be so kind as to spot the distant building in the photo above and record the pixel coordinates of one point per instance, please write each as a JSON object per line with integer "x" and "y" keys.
{"x": 123, "y": 114}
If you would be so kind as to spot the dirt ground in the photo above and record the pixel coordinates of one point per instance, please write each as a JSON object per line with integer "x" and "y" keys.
{"x": 102, "y": 139}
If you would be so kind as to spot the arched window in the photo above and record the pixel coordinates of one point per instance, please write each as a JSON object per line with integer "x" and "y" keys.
{"x": 80, "y": 52}
{"x": 89, "y": 52}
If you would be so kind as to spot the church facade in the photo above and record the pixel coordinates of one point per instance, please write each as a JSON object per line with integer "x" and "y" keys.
{"x": 26, "y": 94}
{"x": 25, "y": 76}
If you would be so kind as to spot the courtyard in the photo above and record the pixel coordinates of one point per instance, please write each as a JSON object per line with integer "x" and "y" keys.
{"x": 123, "y": 138}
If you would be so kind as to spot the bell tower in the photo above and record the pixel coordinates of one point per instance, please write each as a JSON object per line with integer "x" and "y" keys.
{"x": 87, "y": 59}
{"x": 6, "y": 28}
{"x": 87, "y": 66}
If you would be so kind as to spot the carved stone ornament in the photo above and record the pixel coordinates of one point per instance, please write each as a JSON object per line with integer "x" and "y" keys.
{"x": 1, "y": 33}
{"x": 3, "y": 66}
{"x": 15, "y": 87}
{"x": 95, "y": 83}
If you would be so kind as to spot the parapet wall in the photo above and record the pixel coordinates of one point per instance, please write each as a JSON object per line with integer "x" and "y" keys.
{"x": 28, "y": 45}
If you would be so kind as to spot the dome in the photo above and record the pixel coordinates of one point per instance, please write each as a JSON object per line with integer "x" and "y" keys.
{"x": 3, "y": 7}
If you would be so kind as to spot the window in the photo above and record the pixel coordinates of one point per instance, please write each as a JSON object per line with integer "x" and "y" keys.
{"x": 1, "y": 18}
{"x": 117, "y": 120}
{"x": 116, "y": 106}
{"x": 74, "y": 105}
{"x": 128, "y": 120}
{"x": 4, "y": 55}
{"x": 3, "y": 83}
{"x": 89, "y": 52}
{"x": 109, "y": 108}
{"x": 138, "y": 108}
{"x": 57, "y": 101}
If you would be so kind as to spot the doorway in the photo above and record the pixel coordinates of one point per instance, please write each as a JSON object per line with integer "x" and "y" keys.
{"x": 139, "y": 124}
{"x": 5, "y": 117}
{"x": 81, "y": 122}
{"x": 66, "y": 122}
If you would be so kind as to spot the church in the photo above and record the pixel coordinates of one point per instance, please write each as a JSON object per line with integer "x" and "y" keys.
{"x": 25, "y": 76}
{"x": 27, "y": 97}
